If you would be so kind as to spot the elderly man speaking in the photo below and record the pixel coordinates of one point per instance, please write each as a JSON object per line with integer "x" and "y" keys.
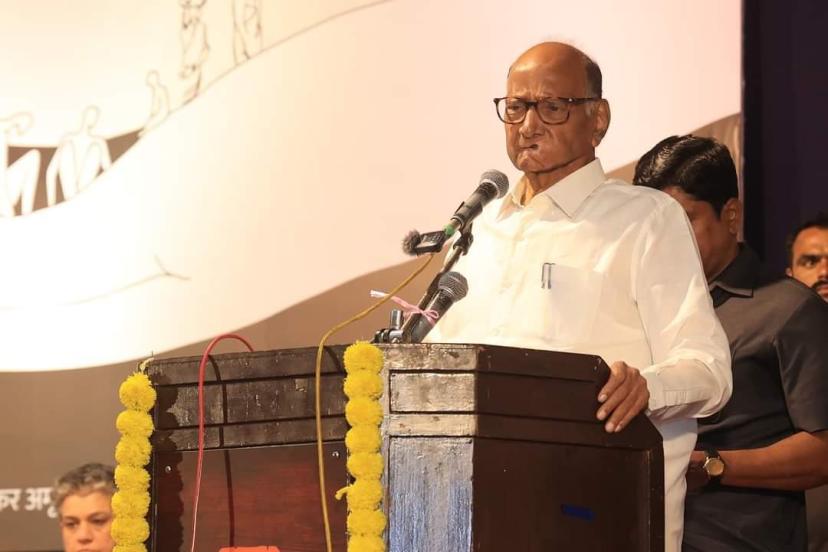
{"x": 570, "y": 260}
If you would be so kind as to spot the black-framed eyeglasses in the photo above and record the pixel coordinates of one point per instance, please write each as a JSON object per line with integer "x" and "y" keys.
{"x": 552, "y": 111}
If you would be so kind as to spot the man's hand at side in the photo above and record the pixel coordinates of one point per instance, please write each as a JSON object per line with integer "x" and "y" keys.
{"x": 624, "y": 395}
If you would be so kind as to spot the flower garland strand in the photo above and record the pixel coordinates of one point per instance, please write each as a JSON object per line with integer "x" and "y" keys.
{"x": 317, "y": 386}
{"x": 363, "y": 387}
{"x": 130, "y": 503}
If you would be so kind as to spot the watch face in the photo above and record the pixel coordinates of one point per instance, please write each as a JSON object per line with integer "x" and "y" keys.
{"x": 714, "y": 467}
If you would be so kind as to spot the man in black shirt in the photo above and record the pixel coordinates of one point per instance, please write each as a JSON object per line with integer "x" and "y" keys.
{"x": 808, "y": 262}
{"x": 754, "y": 459}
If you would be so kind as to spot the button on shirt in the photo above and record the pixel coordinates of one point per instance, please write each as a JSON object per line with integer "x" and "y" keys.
{"x": 600, "y": 267}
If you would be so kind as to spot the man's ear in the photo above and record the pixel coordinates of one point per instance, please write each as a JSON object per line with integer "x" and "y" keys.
{"x": 789, "y": 272}
{"x": 602, "y": 117}
{"x": 732, "y": 215}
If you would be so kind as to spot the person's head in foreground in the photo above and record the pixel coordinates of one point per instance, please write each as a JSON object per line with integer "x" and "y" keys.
{"x": 82, "y": 498}
{"x": 808, "y": 254}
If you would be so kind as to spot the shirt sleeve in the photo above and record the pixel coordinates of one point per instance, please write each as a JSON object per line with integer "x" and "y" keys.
{"x": 802, "y": 349}
{"x": 690, "y": 375}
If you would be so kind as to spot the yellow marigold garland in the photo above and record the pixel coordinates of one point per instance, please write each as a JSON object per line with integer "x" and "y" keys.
{"x": 131, "y": 548}
{"x": 362, "y": 439}
{"x": 363, "y": 411}
{"x": 363, "y": 522}
{"x": 130, "y": 503}
{"x": 129, "y": 478}
{"x": 366, "y": 543}
{"x": 363, "y": 387}
{"x": 365, "y": 465}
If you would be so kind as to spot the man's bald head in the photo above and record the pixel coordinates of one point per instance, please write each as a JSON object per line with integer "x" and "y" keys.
{"x": 549, "y": 144}
{"x": 564, "y": 57}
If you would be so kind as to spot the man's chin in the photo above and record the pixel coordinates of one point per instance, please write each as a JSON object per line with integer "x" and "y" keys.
{"x": 529, "y": 164}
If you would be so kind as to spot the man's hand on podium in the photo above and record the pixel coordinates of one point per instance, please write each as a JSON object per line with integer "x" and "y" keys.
{"x": 623, "y": 396}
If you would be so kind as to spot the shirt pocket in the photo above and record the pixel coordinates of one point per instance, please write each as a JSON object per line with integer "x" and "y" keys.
{"x": 559, "y": 304}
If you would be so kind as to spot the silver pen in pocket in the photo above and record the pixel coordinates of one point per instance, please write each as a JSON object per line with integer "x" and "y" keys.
{"x": 546, "y": 276}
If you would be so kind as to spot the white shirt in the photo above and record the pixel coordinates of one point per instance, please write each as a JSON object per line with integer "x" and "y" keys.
{"x": 597, "y": 266}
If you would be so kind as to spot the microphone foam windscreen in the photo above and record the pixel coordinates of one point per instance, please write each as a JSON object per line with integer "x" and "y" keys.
{"x": 410, "y": 241}
{"x": 498, "y": 179}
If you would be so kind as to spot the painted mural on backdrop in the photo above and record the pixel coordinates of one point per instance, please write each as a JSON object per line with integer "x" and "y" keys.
{"x": 40, "y": 169}
{"x": 189, "y": 168}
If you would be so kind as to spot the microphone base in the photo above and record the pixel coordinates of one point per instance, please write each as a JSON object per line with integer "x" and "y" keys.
{"x": 387, "y": 335}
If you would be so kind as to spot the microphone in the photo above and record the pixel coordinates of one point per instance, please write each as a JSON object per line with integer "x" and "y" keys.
{"x": 493, "y": 184}
{"x": 415, "y": 243}
{"x": 451, "y": 287}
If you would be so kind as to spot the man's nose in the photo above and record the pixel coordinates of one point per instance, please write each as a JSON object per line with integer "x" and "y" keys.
{"x": 822, "y": 268}
{"x": 85, "y": 533}
{"x": 531, "y": 124}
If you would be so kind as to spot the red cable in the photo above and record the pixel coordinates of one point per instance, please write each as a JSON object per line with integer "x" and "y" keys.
{"x": 201, "y": 370}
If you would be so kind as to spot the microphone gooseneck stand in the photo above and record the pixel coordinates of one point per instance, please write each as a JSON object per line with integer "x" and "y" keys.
{"x": 399, "y": 334}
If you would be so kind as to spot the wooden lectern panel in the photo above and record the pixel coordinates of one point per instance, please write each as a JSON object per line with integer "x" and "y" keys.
{"x": 497, "y": 448}
{"x": 538, "y": 497}
{"x": 260, "y": 485}
{"x": 255, "y": 496}
{"x": 258, "y": 496}
{"x": 487, "y": 449}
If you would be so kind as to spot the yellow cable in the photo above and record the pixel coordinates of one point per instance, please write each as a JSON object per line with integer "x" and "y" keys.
{"x": 317, "y": 387}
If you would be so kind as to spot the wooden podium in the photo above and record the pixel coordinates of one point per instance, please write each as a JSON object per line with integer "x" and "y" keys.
{"x": 487, "y": 449}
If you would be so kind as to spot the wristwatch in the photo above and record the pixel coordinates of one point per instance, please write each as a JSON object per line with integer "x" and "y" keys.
{"x": 713, "y": 465}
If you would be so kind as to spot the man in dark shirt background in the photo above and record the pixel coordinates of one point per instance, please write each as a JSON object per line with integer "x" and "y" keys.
{"x": 754, "y": 459}
{"x": 808, "y": 262}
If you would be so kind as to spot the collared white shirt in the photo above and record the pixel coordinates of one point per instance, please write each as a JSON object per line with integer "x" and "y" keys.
{"x": 597, "y": 266}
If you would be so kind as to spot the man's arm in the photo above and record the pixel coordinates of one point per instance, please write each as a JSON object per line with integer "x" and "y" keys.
{"x": 796, "y": 463}
{"x": 690, "y": 375}
{"x": 800, "y": 461}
